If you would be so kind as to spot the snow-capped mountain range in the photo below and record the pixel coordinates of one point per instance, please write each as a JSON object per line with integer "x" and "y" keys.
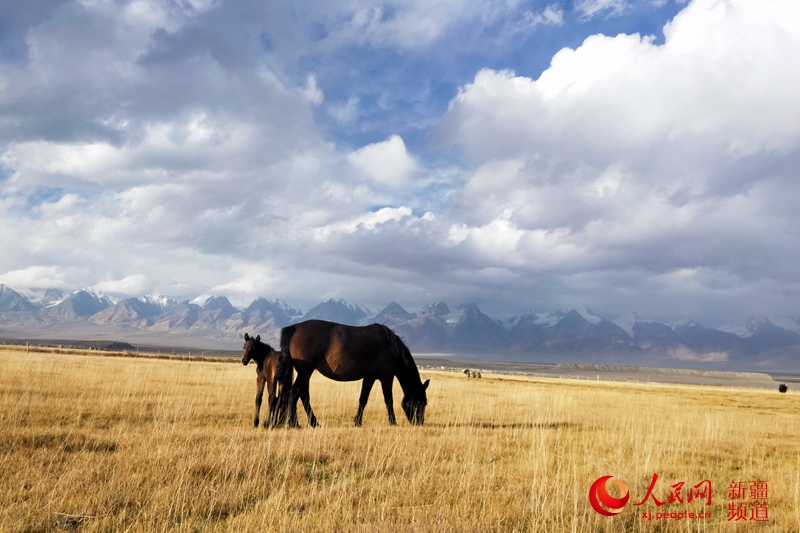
{"x": 572, "y": 335}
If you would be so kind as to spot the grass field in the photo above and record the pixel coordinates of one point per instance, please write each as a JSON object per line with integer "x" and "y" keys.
{"x": 93, "y": 443}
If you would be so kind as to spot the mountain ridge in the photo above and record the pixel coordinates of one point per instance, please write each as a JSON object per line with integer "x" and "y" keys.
{"x": 567, "y": 335}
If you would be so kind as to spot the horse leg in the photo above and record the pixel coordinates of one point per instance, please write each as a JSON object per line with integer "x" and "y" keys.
{"x": 386, "y": 385}
{"x": 259, "y": 395}
{"x": 306, "y": 399}
{"x": 300, "y": 384}
{"x": 366, "y": 387}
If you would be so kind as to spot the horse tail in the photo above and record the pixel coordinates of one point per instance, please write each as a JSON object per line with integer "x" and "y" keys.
{"x": 284, "y": 372}
{"x": 286, "y": 338}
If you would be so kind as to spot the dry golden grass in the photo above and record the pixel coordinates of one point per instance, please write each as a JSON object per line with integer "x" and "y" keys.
{"x": 115, "y": 444}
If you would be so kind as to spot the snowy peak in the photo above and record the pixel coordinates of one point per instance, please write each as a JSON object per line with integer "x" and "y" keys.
{"x": 588, "y": 315}
{"x": 755, "y": 325}
{"x": 629, "y": 320}
{"x": 762, "y": 333}
{"x": 522, "y": 320}
{"x": 393, "y": 314}
{"x": 219, "y": 303}
{"x": 338, "y": 310}
{"x": 127, "y": 311}
{"x": 11, "y": 300}
{"x": 52, "y": 297}
{"x": 439, "y": 309}
{"x": 274, "y": 306}
{"x": 81, "y": 304}
{"x": 472, "y": 330}
{"x": 572, "y": 315}
{"x": 164, "y": 303}
{"x": 263, "y": 311}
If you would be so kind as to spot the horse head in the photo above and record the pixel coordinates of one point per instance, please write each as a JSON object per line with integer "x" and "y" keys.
{"x": 414, "y": 406}
{"x": 250, "y": 348}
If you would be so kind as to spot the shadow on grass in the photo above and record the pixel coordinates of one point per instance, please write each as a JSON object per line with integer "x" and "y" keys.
{"x": 514, "y": 425}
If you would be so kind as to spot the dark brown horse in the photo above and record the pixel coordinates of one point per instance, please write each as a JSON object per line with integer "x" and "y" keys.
{"x": 349, "y": 353}
{"x": 274, "y": 370}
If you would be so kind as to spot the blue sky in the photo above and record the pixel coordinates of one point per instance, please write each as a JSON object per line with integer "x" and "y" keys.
{"x": 626, "y": 156}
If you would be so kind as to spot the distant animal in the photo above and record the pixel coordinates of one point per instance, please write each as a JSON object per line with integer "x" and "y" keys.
{"x": 472, "y": 373}
{"x": 275, "y": 371}
{"x": 782, "y": 387}
{"x": 350, "y": 353}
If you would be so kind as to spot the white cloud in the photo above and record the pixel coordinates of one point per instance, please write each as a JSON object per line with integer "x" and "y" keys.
{"x": 551, "y": 15}
{"x": 725, "y": 90}
{"x": 133, "y": 284}
{"x": 44, "y": 277}
{"x": 589, "y": 9}
{"x": 312, "y": 92}
{"x": 387, "y": 162}
{"x": 364, "y": 222}
{"x": 185, "y": 148}
{"x": 627, "y": 154}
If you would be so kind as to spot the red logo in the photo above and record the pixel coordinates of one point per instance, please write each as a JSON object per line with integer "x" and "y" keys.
{"x": 599, "y": 497}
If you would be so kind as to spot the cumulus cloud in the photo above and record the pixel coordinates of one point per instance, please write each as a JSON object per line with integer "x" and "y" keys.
{"x": 643, "y": 156}
{"x": 133, "y": 284}
{"x": 45, "y": 277}
{"x": 387, "y": 162}
{"x": 211, "y": 146}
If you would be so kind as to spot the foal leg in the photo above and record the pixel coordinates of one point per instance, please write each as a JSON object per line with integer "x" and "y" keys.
{"x": 366, "y": 387}
{"x": 272, "y": 391}
{"x": 259, "y": 395}
{"x": 272, "y": 421}
{"x": 386, "y": 385}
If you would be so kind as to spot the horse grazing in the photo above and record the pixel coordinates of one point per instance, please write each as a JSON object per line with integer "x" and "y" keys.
{"x": 274, "y": 370}
{"x": 350, "y": 353}
{"x": 472, "y": 373}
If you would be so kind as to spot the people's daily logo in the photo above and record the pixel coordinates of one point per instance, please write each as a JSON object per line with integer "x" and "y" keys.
{"x": 603, "y": 502}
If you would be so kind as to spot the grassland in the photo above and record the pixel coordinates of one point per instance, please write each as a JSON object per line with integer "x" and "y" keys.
{"x": 115, "y": 444}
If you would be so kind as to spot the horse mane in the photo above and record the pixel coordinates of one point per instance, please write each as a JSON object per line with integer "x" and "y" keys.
{"x": 398, "y": 346}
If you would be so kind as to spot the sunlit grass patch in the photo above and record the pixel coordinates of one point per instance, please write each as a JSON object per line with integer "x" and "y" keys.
{"x": 156, "y": 445}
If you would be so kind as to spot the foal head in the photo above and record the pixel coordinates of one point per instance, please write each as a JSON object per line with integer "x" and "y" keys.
{"x": 252, "y": 347}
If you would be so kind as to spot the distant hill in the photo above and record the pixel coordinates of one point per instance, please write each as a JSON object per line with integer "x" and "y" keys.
{"x": 568, "y": 335}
